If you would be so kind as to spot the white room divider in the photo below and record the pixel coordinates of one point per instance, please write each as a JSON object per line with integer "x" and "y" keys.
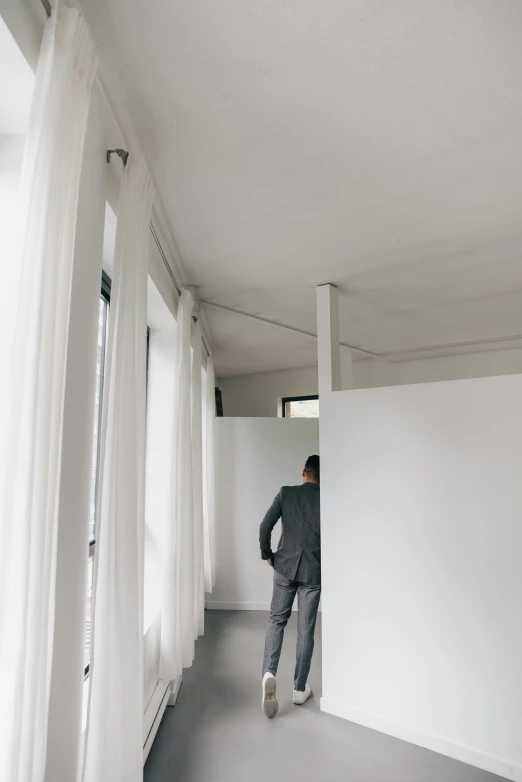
{"x": 422, "y": 533}
{"x": 254, "y": 458}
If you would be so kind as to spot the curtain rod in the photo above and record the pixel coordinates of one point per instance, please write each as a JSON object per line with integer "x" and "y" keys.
{"x": 171, "y": 274}
{"x": 124, "y": 155}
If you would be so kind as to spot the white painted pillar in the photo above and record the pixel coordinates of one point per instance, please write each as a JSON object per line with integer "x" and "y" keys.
{"x": 328, "y": 348}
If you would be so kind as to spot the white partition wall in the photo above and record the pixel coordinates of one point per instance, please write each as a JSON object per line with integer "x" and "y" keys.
{"x": 254, "y": 458}
{"x": 422, "y": 575}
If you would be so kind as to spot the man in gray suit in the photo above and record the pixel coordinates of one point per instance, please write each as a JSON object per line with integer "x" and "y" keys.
{"x": 297, "y": 570}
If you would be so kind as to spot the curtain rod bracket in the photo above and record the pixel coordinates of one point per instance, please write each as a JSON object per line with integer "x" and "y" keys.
{"x": 122, "y": 153}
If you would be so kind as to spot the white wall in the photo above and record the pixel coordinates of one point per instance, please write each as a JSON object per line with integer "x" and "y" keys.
{"x": 421, "y": 540}
{"x": 470, "y": 365}
{"x": 258, "y": 395}
{"x": 254, "y": 458}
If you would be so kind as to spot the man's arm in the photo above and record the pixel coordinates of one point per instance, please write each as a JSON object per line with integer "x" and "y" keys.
{"x": 267, "y": 525}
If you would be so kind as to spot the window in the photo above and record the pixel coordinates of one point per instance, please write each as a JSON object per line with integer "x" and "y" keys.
{"x": 100, "y": 369}
{"x": 301, "y": 407}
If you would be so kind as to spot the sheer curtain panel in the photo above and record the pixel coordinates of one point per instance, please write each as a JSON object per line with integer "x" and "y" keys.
{"x": 197, "y": 481}
{"x": 177, "y": 617}
{"x": 208, "y": 475}
{"x": 30, "y": 482}
{"x": 114, "y": 738}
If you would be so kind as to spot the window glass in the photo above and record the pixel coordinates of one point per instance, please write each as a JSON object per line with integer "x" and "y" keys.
{"x": 301, "y": 408}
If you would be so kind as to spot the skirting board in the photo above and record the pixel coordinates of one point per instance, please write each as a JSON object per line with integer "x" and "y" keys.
{"x": 213, "y": 605}
{"x": 472, "y": 757}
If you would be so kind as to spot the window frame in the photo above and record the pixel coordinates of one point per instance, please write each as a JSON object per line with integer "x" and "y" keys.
{"x": 105, "y": 293}
{"x": 286, "y": 399}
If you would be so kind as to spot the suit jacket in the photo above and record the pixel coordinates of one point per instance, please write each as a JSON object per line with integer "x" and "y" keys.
{"x": 298, "y": 555}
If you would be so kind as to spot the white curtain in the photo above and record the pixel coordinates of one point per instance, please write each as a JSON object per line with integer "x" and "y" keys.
{"x": 209, "y": 418}
{"x": 114, "y": 739}
{"x": 187, "y": 543}
{"x": 178, "y": 629}
{"x": 32, "y": 440}
{"x": 197, "y": 481}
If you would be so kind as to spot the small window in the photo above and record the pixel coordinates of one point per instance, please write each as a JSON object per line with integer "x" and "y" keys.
{"x": 301, "y": 407}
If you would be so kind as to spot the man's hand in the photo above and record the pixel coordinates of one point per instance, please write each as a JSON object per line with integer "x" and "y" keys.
{"x": 270, "y": 562}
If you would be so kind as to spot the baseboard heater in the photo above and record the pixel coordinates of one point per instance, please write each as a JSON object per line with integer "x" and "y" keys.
{"x": 165, "y": 694}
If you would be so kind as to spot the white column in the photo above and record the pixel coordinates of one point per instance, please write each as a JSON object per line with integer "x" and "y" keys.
{"x": 328, "y": 348}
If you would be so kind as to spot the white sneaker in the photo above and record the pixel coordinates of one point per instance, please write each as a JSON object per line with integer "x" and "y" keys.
{"x": 302, "y": 697}
{"x": 270, "y": 704}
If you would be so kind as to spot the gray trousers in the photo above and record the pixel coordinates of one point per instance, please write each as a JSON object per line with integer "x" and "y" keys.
{"x": 307, "y": 603}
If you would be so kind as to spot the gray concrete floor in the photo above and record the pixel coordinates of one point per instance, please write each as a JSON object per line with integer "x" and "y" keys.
{"x": 217, "y": 732}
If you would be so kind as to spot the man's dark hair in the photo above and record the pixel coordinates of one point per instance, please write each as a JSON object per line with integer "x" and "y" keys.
{"x": 312, "y": 468}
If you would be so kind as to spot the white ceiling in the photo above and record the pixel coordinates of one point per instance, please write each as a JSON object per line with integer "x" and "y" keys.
{"x": 373, "y": 144}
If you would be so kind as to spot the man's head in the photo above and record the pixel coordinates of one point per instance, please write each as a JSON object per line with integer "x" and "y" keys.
{"x": 311, "y": 472}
